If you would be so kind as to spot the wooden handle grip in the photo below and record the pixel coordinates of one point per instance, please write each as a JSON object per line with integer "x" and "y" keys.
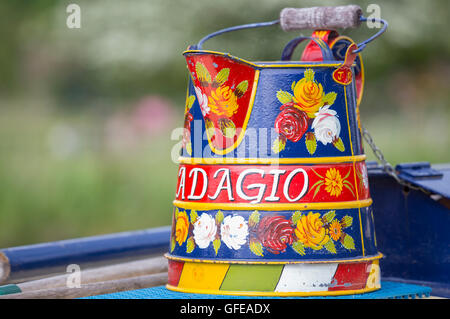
{"x": 328, "y": 18}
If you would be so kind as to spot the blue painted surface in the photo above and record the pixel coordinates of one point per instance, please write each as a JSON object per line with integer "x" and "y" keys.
{"x": 34, "y": 260}
{"x": 423, "y": 175}
{"x": 388, "y": 290}
{"x": 244, "y": 253}
{"x": 412, "y": 230}
{"x": 266, "y": 109}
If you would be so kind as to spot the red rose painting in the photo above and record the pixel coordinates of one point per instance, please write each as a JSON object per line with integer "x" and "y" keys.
{"x": 275, "y": 233}
{"x": 291, "y": 122}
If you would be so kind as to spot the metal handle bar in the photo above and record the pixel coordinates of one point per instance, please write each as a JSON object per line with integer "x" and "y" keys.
{"x": 361, "y": 46}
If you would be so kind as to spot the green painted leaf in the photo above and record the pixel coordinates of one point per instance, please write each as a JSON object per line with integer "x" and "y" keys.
{"x": 293, "y": 86}
{"x": 219, "y": 217}
{"x": 296, "y": 217}
{"x": 317, "y": 184}
{"x": 210, "y": 129}
{"x": 349, "y": 188}
{"x": 202, "y": 73}
{"x": 348, "y": 242}
{"x": 311, "y": 143}
{"x": 318, "y": 188}
{"x": 189, "y": 148}
{"x": 253, "y": 220}
{"x": 329, "y": 216}
{"x": 241, "y": 88}
{"x": 299, "y": 248}
{"x": 216, "y": 245}
{"x": 222, "y": 76}
{"x": 227, "y": 127}
{"x": 278, "y": 145}
{"x": 256, "y": 248}
{"x": 284, "y": 97}
{"x": 329, "y": 98}
{"x": 176, "y": 213}
{"x": 317, "y": 174}
{"x": 348, "y": 174}
{"x": 189, "y": 102}
{"x": 339, "y": 144}
{"x": 346, "y": 221}
{"x": 194, "y": 216}
{"x": 172, "y": 244}
{"x": 330, "y": 246}
{"x": 190, "y": 245}
{"x": 359, "y": 173}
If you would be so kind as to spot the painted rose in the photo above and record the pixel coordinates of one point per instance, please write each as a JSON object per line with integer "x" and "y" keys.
{"x": 234, "y": 231}
{"x": 205, "y": 230}
{"x": 187, "y": 129}
{"x": 308, "y": 94}
{"x": 202, "y": 101}
{"x": 311, "y": 232}
{"x": 291, "y": 123}
{"x": 275, "y": 233}
{"x": 326, "y": 125}
{"x": 223, "y": 101}
{"x": 181, "y": 228}
{"x": 187, "y": 121}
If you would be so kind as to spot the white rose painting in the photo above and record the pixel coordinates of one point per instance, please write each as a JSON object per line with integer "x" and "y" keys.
{"x": 205, "y": 230}
{"x": 202, "y": 101}
{"x": 326, "y": 125}
{"x": 234, "y": 231}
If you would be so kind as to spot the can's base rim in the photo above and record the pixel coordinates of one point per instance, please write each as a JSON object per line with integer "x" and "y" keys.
{"x": 273, "y": 293}
{"x": 275, "y": 262}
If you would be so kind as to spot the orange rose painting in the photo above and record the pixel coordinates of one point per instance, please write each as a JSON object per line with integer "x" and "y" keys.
{"x": 223, "y": 88}
{"x": 310, "y": 101}
{"x": 308, "y": 94}
{"x": 181, "y": 228}
{"x": 311, "y": 231}
{"x": 223, "y": 101}
{"x": 317, "y": 231}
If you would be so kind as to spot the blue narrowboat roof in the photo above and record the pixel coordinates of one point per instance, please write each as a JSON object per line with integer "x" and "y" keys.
{"x": 433, "y": 178}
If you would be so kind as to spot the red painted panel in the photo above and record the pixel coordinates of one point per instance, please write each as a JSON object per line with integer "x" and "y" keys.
{"x": 350, "y": 276}
{"x": 174, "y": 272}
{"x": 270, "y": 184}
{"x": 226, "y": 87}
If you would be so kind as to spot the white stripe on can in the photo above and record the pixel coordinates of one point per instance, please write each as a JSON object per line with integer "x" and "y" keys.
{"x": 306, "y": 277}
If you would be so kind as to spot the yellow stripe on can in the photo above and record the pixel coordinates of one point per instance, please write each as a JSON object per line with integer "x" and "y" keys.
{"x": 203, "y": 275}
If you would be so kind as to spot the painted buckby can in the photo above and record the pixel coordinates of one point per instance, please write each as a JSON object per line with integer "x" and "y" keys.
{"x": 272, "y": 197}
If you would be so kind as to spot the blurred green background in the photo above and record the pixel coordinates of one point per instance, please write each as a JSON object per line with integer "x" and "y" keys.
{"x": 86, "y": 114}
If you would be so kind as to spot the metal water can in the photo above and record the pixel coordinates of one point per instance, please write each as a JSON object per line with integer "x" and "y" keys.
{"x": 272, "y": 197}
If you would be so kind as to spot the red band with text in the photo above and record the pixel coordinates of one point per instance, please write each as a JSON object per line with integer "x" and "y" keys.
{"x": 265, "y": 184}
